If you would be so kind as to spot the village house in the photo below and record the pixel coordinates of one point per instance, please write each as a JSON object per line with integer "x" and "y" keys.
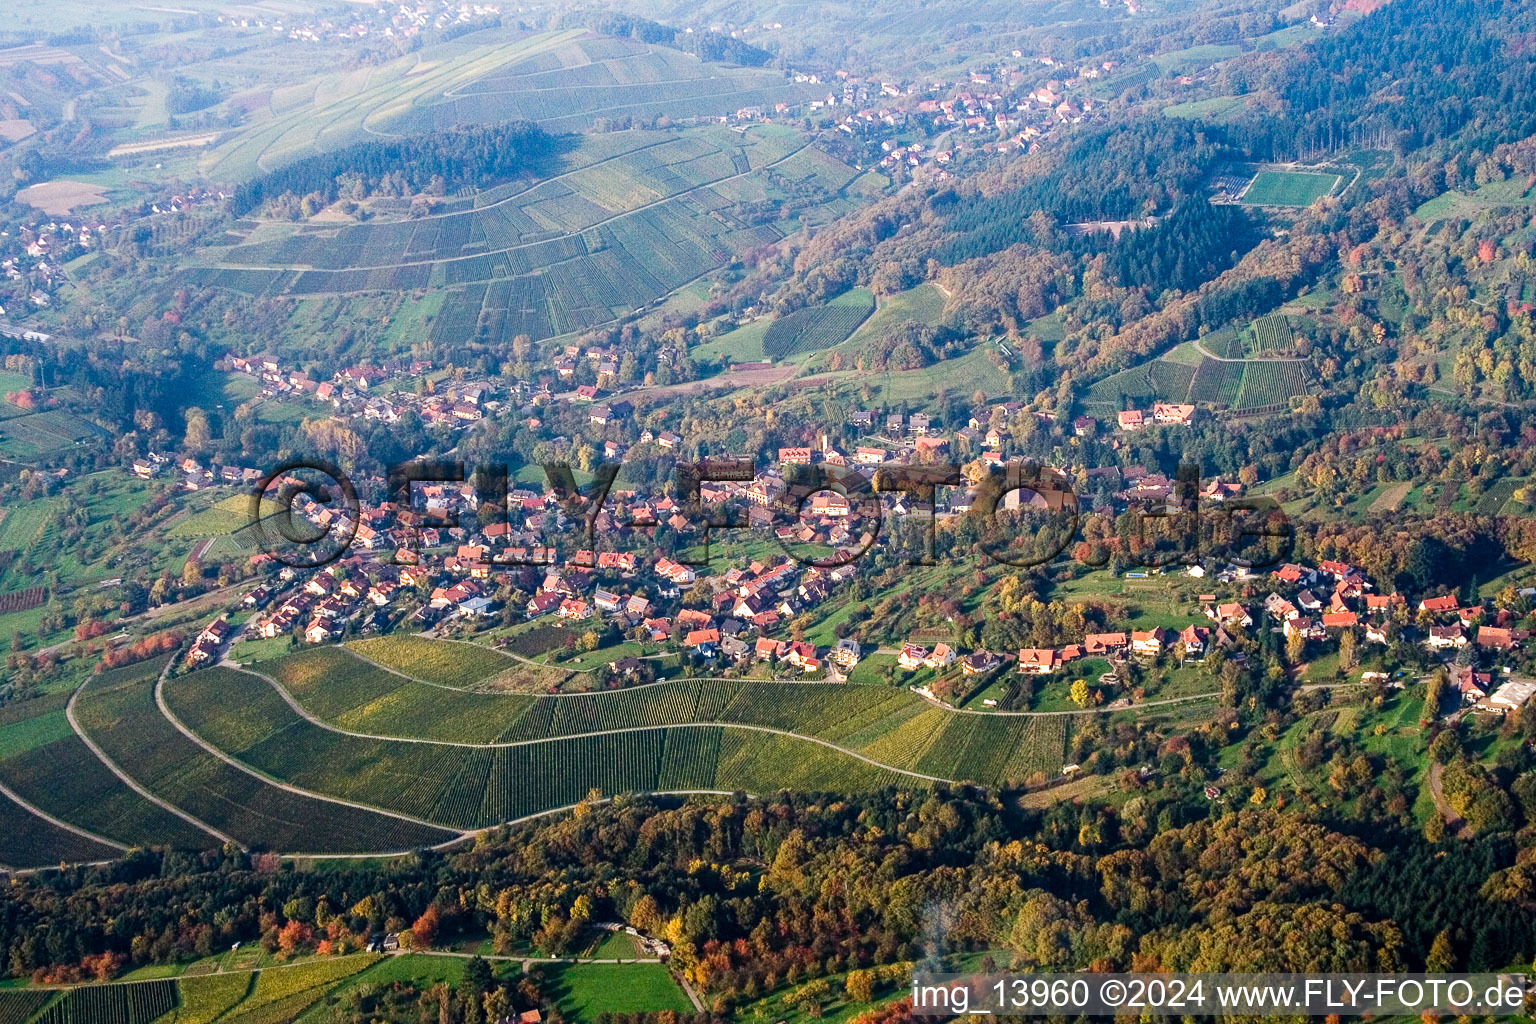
{"x": 1037, "y": 660}
{"x": 1441, "y": 637}
{"x": 1148, "y": 643}
{"x": 912, "y": 656}
{"x": 1099, "y": 644}
{"x": 979, "y": 663}
{"x": 942, "y": 656}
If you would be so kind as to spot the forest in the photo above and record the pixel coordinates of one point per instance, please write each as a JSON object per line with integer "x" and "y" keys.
{"x": 706, "y": 45}
{"x": 756, "y": 893}
{"x": 464, "y": 156}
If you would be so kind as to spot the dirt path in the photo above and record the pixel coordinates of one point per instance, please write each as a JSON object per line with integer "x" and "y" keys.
{"x": 1200, "y": 347}
{"x": 1459, "y": 828}
{"x": 693, "y": 997}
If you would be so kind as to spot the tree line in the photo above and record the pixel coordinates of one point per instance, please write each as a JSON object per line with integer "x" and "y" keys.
{"x": 458, "y": 157}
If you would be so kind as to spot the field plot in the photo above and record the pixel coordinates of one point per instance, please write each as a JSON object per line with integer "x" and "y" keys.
{"x": 138, "y": 1003}
{"x": 1289, "y": 188}
{"x": 818, "y": 327}
{"x": 607, "y": 235}
{"x": 204, "y": 998}
{"x": 923, "y": 304}
{"x": 18, "y": 1005}
{"x": 1216, "y": 383}
{"x": 1468, "y": 204}
{"x": 889, "y": 725}
{"x": 467, "y": 787}
{"x": 1160, "y": 379}
{"x": 129, "y": 727}
{"x": 1391, "y": 499}
{"x": 44, "y": 433}
{"x": 1491, "y": 501}
{"x": 281, "y": 993}
{"x": 69, "y": 782}
{"x": 231, "y": 516}
{"x": 583, "y": 991}
{"x": 60, "y": 197}
{"x": 1271, "y": 384}
{"x": 1272, "y": 334}
{"x": 432, "y": 661}
{"x": 567, "y": 88}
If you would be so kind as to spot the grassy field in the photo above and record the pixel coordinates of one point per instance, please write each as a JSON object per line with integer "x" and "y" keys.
{"x": 743, "y": 344}
{"x": 1289, "y": 188}
{"x": 582, "y": 991}
{"x": 1212, "y": 109}
{"x": 1494, "y": 195}
{"x": 1195, "y": 56}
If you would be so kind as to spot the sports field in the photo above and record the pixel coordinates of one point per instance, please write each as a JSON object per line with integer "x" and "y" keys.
{"x": 1289, "y": 188}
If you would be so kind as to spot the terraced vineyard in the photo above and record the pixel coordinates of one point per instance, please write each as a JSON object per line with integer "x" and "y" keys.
{"x": 238, "y": 997}
{"x": 469, "y": 759}
{"x": 628, "y": 218}
{"x": 138, "y": 1003}
{"x": 69, "y": 782}
{"x": 446, "y": 664}
{"x": 17, "y": 1006}
{"x": 565, "y": 80}
{"x": 378, "y": 761}
{"x": 1216, "y": 383}
{"x": 125, "y": 722}
{"x": 27, "y": 841}
{"x": 1272, "y": 334}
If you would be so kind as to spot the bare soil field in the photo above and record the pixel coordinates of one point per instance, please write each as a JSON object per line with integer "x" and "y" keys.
{"x": 60, "y": 197}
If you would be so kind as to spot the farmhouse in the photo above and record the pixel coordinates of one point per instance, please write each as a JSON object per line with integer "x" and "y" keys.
{"x": 1149, "y": 642}
{"x": 1103, "y": 643}
{"x": 1513, "y": 695}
